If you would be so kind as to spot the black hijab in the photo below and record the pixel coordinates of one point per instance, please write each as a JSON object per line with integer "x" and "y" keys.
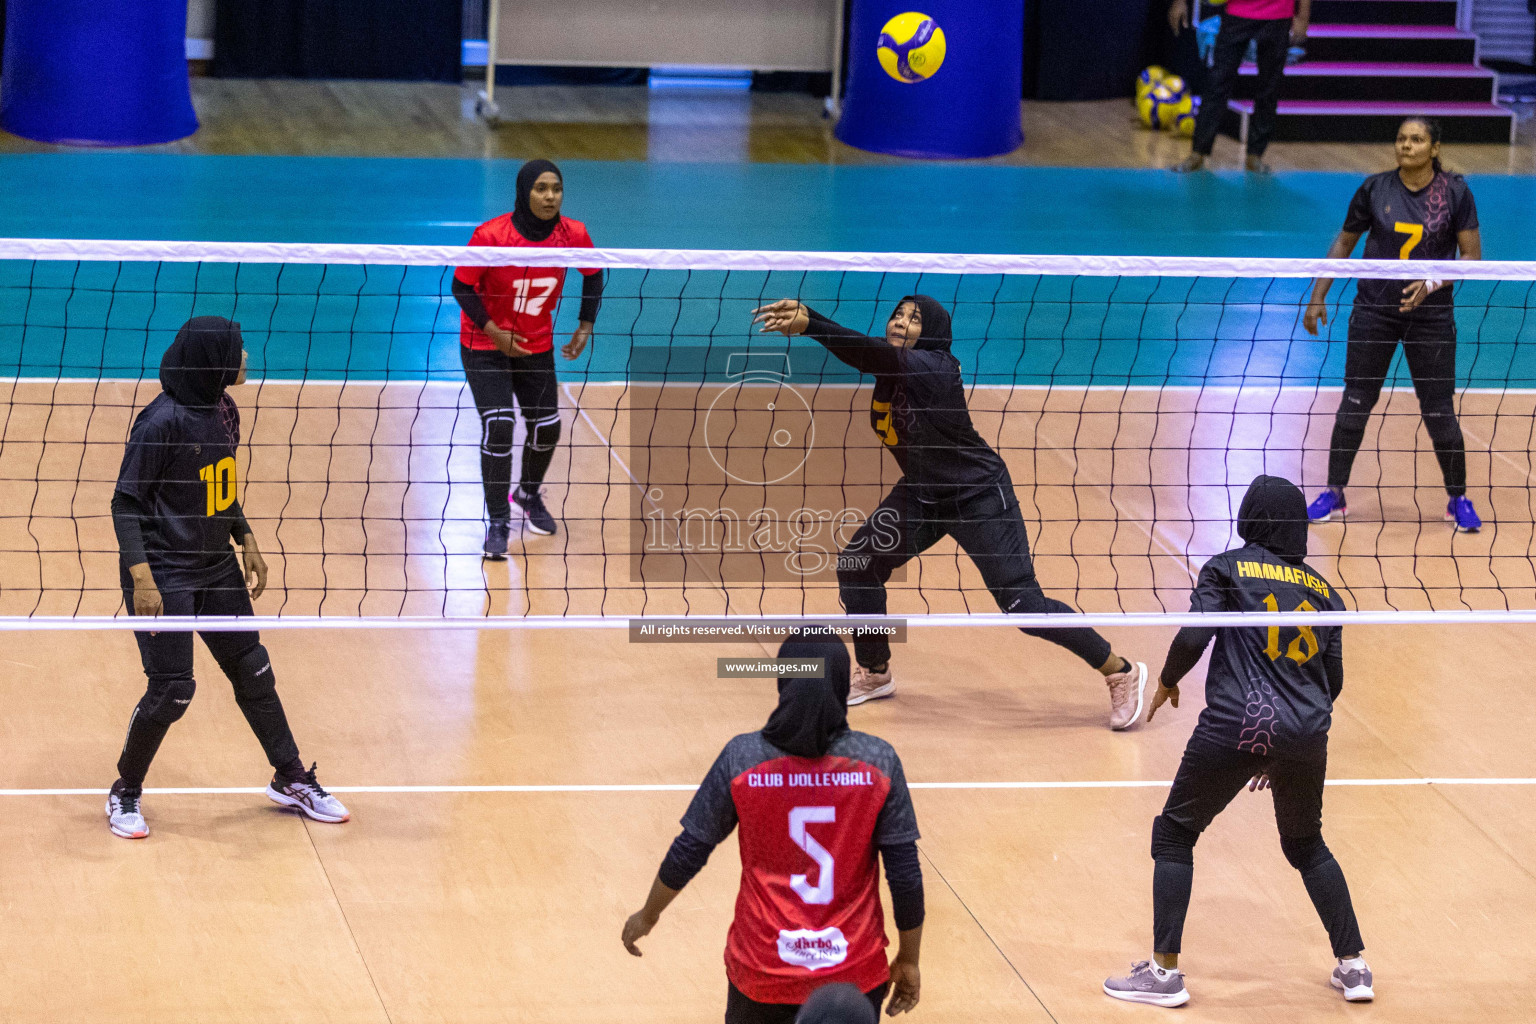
{"x": 529, "y": 226}
{"x": 811, "y": 712}
{"x": 202, "y": 361}
{"x": 1273, "y": 515}
{"x": 838, "y": 1003}
{"x": 936, "y": 330}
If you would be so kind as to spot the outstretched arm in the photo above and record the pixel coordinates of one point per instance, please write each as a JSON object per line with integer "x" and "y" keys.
{"x": 863, "y": 353}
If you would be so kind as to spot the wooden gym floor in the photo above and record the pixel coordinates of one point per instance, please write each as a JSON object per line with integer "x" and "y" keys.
{"x": 442, "y": 904}
{"x": 310, "y": 118}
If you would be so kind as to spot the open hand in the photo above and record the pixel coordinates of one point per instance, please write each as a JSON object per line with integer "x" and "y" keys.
{"x": 785, "y": 316}
{"x": 635, "y": 929}
{"x": 1413, "y": 296}
{"x": 255, "y": 567}
{"x": 508, "y": 343}
{"x": 1164, "y": 694}
{"x": 578, "y": 343}
{"x": 1316, "y": 316}
{"x": 906, "y": 987}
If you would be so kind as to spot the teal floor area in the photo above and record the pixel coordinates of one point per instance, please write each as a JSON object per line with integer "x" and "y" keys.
{"x": 112, "y": 320}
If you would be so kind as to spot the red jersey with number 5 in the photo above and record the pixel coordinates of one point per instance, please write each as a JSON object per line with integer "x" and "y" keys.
{"x": 808, "y": 912}
{"x": 520, "y": 299}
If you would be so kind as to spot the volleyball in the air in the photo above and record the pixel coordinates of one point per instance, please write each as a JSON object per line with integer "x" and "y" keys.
{"x": 911, "y": 47}
{"x": 1148, "y": 79}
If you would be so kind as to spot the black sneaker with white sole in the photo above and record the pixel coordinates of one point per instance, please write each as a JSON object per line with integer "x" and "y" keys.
{"x": 531, "y": 503}
{"x": 305, "y": 794}
{"x": 496, "y": 533}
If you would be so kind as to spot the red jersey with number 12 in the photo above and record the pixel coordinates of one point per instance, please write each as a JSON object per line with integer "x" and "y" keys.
{"x": 520, "y": 299}
{"x": 808, "y": 912}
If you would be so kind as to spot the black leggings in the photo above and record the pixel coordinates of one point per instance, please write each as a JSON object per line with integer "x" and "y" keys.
{"x": 1429, "y": 348}
{"x": 989, "y": 527}
{"x": 494, "y": 381}
{"x": 167, "y": 658}
{"x": 739, "y": 1009}
{"x": 1211, "y": 774}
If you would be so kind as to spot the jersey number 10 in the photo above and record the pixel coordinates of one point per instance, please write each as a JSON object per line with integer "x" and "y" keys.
{"x": 220, "y": 478}
{"x": 1303, "y": 647}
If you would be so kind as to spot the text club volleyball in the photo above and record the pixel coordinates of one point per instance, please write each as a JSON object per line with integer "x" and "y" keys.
{"x": 911, "y": 47}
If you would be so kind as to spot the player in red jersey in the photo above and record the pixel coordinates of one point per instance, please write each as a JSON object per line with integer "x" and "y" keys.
{"x": 506, "y": 342}
{"x": 815, "y": 801}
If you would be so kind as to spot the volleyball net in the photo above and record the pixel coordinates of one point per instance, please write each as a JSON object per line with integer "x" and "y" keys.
{"x": 705, "y": 469}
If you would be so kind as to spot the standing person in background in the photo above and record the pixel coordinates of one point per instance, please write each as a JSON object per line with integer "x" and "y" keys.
{"x": 506, "y": 336}
{"x": 815, "y": 803}
{"x": 1420, "y": 211}
{"x": 1275, "y": 26}
{"x": 175, "y": 509}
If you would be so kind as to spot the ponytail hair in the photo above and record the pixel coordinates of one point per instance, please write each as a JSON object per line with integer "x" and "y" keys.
{"x": 1432, "y": 129}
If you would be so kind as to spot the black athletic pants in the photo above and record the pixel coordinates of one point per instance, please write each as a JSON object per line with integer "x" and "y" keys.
{"x": 1211, "y": 774}
{"x": 1274, "y": 39}
{"x": 494, "y": 381}
{"x": 989, "y": 527}
{"x": 1429, "y": 348}
{"x": 167, "y": 658}
{"x": 741, "y": 1010}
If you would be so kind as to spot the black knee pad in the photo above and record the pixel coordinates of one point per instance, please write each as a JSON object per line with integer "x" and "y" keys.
{"x": 1355, "y": 407}
{"x": 496, "y": 429}
{"x": 167, "y": 699}
{"x": 543, "y": 435}
{"x": 252, "y": 676}
{"x": 1172, "y": 841}
{"x": 1306, "y": 852}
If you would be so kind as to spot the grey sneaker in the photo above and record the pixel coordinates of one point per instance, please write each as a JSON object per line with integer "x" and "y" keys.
{"x": 1127, "y": 695}
{"x": 1355, "y": 984}
{"x": 496, "y": 532}
{"x": 305, "y": 794}
{"x": 1143, "y": 985}
{"x": 123, "y": 815}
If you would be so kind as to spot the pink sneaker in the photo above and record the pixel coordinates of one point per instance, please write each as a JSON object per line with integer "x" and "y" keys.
{"x": 868, "y": 685}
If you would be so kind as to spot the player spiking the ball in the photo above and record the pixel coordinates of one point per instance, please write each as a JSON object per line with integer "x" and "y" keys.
{"x": 175, "y": 509}
{"x": 1269, "y": 695}
{"x": 506, "y": 343}
{"x": 953, "y": 485}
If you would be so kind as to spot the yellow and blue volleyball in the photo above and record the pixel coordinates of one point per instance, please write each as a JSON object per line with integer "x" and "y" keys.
{"x": 1149, "y": 78}
{"x": 1174, "y": 84}
{"x": 911, "y": 47}
{"x": 1161, "y": 108}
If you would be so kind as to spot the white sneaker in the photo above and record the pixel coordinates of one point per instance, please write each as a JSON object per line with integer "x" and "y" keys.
{"x": 1355, "y": 983}
{"x": 868, "y": 685}
{"x": 307, "y": 795}
{"x": 123, "y": 815}
{"x": 1127, "y": 695}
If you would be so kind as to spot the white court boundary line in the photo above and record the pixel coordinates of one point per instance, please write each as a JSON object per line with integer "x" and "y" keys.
{"x": 115, "y": 250}
{"x": 689, "y": 787}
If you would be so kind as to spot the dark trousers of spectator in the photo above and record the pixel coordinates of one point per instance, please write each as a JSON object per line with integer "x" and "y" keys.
{"x": 1274, "y": 39}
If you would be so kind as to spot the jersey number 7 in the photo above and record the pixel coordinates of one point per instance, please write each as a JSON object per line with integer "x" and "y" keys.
{"x": 819, "y": 894}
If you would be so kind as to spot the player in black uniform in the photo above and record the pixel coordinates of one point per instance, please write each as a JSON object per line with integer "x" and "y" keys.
{"x": 1269, "y": 696}
{"x": 1418, "y": 212}
{"x": 175, "y": 509}
{"x": 953, "y": 484}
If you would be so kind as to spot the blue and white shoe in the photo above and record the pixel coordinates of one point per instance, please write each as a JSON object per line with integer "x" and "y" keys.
{"x": 1354, "y": 980}
{"x": 1327, "y": 505}
{"x": 1461, "y": 512}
